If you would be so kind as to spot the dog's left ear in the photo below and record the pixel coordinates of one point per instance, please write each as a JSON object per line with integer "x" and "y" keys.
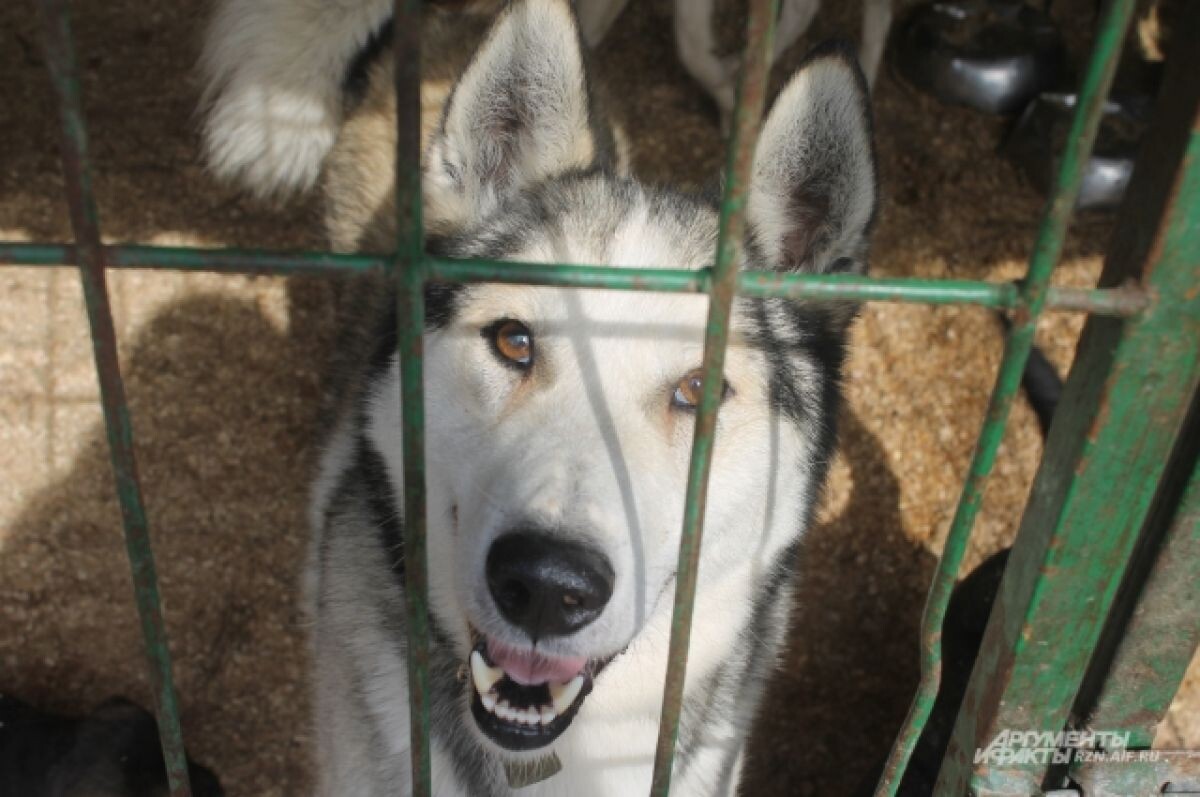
{"x": 813, "y": 191}
{"x": 521, "y": 112}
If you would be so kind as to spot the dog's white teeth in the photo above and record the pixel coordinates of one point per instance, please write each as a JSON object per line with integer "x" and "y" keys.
{"x": 532, "y": 716}
{"x": 563, "y": 695}
{"x": 485, "y": 677}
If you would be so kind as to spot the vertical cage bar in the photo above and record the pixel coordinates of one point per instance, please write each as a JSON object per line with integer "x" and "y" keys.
{"x": 1047, "y": 250}
{"x": 748, "y": 109}
{"x": 409, "y": 273}
{"x": 64, "y": 74}
{"x": 1122, "y": 410}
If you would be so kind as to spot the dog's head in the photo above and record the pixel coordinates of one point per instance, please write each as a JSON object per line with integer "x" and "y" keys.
{"x": 560, "y": 421}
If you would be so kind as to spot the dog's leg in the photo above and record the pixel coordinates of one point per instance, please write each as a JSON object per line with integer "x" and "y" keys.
{"x": 698, "y": 52}
{"x": 877, "y": 19}
{"x": 697, "y": 46}
{"x": 794, "y": 18}
{"x": 596, "y": 17}
{"x": 273, "y": 72}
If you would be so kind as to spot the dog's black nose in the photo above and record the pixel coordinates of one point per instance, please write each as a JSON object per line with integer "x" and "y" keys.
{"x": 548, "y": 586}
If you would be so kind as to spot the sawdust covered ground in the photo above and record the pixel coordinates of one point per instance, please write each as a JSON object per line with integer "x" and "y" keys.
{"x": 223, "y": 374}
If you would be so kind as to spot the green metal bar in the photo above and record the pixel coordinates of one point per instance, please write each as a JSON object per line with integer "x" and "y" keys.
{"x": 858, "y": 288}
{"x": 20, "y": 253}
{"x": 60, "y": 58}
{"x": 758, "y": 284}
{"x": 1160, "y": 638}
{"x": 664, "y": 280}
{"x": 1118, "y": 301}
{"x": 247, "y": 261}
{"x": 1123, "y": 408}
{"x": 409, "y": 268}
{"x": 227, "y": 261}
{"x": 1047, "y": 250}
{"x": 748, "y": 108}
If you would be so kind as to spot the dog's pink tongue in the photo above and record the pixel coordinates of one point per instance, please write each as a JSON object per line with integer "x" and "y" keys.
{"x": 530, "y": 668}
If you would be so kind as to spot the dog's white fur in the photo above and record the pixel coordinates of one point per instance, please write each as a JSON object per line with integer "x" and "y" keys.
{"x": 588, "y": 443}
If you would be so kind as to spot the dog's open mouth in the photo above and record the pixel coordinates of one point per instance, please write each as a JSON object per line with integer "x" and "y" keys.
{"x": 524, "y": 700}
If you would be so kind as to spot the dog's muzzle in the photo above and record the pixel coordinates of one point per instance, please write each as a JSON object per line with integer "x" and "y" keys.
{"x": 544, "y": 587}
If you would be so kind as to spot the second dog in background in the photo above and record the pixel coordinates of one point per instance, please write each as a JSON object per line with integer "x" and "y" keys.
{"x": 700, "y": 53}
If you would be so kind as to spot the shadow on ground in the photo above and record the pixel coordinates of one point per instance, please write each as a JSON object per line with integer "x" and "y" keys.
{"x": 851, "y": 664}
{"x": 223, "y": 407}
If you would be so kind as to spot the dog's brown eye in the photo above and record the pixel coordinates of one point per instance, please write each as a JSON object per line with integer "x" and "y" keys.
{"x": 514, "y": 342}
{"x": 687, "y": 391}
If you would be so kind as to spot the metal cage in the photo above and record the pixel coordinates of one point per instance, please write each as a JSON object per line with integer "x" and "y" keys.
{"x": 1098, "y": 614}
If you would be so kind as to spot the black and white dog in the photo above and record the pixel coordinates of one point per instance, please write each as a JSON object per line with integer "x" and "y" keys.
{"x": 559, "y": 421}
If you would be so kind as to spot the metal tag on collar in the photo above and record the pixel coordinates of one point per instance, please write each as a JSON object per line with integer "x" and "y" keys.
{"x": 526, "y": 773}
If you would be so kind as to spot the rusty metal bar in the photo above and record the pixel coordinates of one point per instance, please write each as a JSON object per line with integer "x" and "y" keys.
{"x": 1157, "y": 640}
{"x": 60, "y": 58}
{"x": 748, "y": 109}
{"x": 1047, "y": 250}
{"x": 1123, "y": 407}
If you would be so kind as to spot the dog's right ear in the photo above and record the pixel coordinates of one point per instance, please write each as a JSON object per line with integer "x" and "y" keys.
{"x": 521, "y": 112}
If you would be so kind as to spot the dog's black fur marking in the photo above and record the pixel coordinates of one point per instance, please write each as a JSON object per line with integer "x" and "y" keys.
{"x": 358, "y": 74}
{"x": 372, "y": 474}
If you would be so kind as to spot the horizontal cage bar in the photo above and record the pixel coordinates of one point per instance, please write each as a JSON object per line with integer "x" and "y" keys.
{"x": 1122, "y": 301}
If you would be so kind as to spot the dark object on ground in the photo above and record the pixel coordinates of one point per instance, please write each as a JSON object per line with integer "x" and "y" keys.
{"x": 1042, "y": 383}
{"x": 113, "y": 752}
{"x": 991, "y": 55}
{"x": 1037, "y": 141}
{"x": 962, "y": 634}
{"x": 1043, "y": 388}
